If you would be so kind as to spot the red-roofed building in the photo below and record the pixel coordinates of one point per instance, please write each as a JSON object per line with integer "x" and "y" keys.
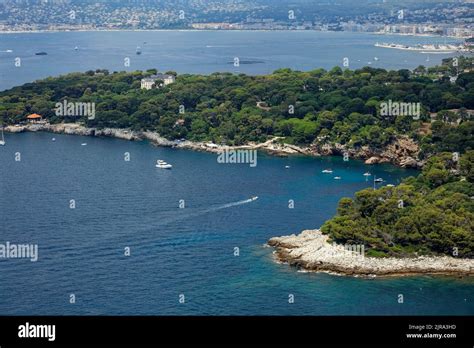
{"x": 34, "y": 118}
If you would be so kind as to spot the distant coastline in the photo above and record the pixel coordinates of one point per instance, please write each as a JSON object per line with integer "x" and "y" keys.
{"x": 445, "y": 48}
{"x": 214, "y": 30}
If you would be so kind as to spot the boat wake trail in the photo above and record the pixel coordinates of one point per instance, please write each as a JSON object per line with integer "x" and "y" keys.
{"x": 172, "y": 240}
{"x": 209, "y": 210}
{"x": 182, "y": 215}
{"x": 228, "y": 205}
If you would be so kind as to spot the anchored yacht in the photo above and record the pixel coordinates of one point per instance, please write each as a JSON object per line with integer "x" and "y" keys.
{"x": 163, "y": 165}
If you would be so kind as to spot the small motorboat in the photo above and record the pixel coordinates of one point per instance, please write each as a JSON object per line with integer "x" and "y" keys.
{"x": 84, "y": 144}
{"x": 367, "y": 174}
{"x": 378, "y": 180}
{"x": 287, "y": 167}
{"x": 390, "y": 185}
{"x": 337, "y": 178}
{"x": 327, "y": 171}
{"x": 163, "y": 165}
{"x": 254, "y": 198}
{"x": 53, "y": 139}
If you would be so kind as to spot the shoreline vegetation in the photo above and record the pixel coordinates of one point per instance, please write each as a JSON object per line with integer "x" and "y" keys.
{"x": 311, "y": 251}
{"x": 425, "y": 225}
{"x": 270, "y": 146}
{"x": 274, "y": 146}
{"x": 358, "y": 114}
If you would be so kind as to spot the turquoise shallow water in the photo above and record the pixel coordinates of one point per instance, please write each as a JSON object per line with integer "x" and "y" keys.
{"x": 182, "y": 251}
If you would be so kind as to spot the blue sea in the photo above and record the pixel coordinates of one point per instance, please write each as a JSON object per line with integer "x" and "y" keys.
{"x": 183, "y": 251}
{"x": 202, "y": 52}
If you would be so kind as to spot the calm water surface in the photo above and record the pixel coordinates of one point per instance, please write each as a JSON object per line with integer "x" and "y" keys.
{"x": 201, "y": 52}
{"x": 182, "y": 251}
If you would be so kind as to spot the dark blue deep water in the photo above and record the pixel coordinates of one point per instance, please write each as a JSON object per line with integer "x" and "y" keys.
{"x": 202, "y": 52}
{"x": 182, "y": 251}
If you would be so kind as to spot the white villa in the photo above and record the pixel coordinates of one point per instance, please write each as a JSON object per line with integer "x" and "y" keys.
{"x": 149, "y": 82}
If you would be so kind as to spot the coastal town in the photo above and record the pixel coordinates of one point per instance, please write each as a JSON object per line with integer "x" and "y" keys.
{"x": 443, "y": 19}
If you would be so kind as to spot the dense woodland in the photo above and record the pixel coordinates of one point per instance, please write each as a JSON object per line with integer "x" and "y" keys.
{"x": 430, "y": 214}
{"x": 327, "y": 106}
{"x": 336, "y": 106}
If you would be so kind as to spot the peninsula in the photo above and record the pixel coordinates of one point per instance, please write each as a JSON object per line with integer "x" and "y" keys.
{"x": 358, "y": 114}
{"x": 311, "y": 251}
{"x": 319, "y": 112}
{"x": 423, "y": 226}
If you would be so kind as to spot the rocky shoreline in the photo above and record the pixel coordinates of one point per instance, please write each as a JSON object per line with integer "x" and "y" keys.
{"x": 402, "y": 152}
{"x": 311, "y": 251}
{"x": 269, "y": 146}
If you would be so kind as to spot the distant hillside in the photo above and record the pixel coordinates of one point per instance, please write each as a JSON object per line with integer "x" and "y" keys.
{"x": 168, "y": 14}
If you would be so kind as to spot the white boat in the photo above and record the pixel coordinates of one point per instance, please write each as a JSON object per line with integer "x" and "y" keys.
{"x": 254, "y": 198}
{"x": 53, "y": 139}
{"x": 367, "y": 174}
{"x": 390, "y": 185}
{"x": 76, "y": 48}
{"x": 2, "y": 142}
{"x": 337, "y": 178}
{"x": 287, "y": 167}
{"x": 327, "y": 171}
{"x": 83, "y": 144}
{"x": 376, "y": 58}
{"x": 378, "y": 180}
{"x": 163, "y": 165}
